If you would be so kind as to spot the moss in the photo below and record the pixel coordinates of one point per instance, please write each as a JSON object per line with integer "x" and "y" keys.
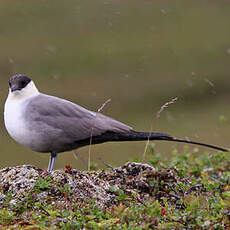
{"x": 189, "y": 192}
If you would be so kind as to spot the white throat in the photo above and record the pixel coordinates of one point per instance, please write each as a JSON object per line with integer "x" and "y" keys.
{"x": 28, "y": 91}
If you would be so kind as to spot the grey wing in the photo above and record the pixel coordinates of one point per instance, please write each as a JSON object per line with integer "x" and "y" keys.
{"x": 64, "y": 119}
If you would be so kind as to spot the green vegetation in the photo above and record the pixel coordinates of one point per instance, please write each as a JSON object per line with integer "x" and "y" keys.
{"x": 140, "y": 54}
{"x": 189, "y": 192}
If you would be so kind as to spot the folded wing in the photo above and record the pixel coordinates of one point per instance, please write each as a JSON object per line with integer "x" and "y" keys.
{"x": 65, "y": 119}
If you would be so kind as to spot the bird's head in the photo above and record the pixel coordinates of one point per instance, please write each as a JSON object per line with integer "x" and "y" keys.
{"x": 21, "y": 86}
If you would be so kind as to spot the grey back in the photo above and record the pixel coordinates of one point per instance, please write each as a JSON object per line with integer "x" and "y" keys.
{"x": 59, "y": 123}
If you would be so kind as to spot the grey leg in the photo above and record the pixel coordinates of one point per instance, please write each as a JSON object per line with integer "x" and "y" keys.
{"x": 53, "y": 157}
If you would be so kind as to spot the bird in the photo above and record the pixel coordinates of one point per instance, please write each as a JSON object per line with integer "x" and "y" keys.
{"x": 48, "y": 124}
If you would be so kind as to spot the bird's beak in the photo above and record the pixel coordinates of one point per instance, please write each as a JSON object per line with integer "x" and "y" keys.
{"x": 13, "y": 88}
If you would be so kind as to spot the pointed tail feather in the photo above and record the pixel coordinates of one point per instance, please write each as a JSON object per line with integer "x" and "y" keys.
{"x": 199, "y": 143}
{"x": 138, "y": 136}
{"x": 166, "y": 137}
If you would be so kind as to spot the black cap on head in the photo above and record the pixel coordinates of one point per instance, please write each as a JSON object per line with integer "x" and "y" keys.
{"x": 18, "y": 82}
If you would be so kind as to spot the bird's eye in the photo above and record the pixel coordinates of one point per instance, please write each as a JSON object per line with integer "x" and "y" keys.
{"x": 9, "y": 83}
{"x": 23, "y": 83}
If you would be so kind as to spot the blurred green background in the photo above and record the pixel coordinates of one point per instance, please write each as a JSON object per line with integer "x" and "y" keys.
{"x": 139, "y": 54}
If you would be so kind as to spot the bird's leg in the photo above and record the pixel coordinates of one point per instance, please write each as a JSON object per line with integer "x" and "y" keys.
{"x": 53, "y": 157}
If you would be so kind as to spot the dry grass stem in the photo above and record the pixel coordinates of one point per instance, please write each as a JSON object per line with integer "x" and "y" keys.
{"x": 163, "y": 107}
{"x": 103, "y": 105}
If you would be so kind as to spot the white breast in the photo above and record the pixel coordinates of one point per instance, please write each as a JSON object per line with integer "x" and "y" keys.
{"x": 15, "y": 122}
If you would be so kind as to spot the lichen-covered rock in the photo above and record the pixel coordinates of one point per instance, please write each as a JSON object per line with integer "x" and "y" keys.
{"x": 21, "y": 181}
{"x": 64, "y": 187}
{"x": 17, "y": 181}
